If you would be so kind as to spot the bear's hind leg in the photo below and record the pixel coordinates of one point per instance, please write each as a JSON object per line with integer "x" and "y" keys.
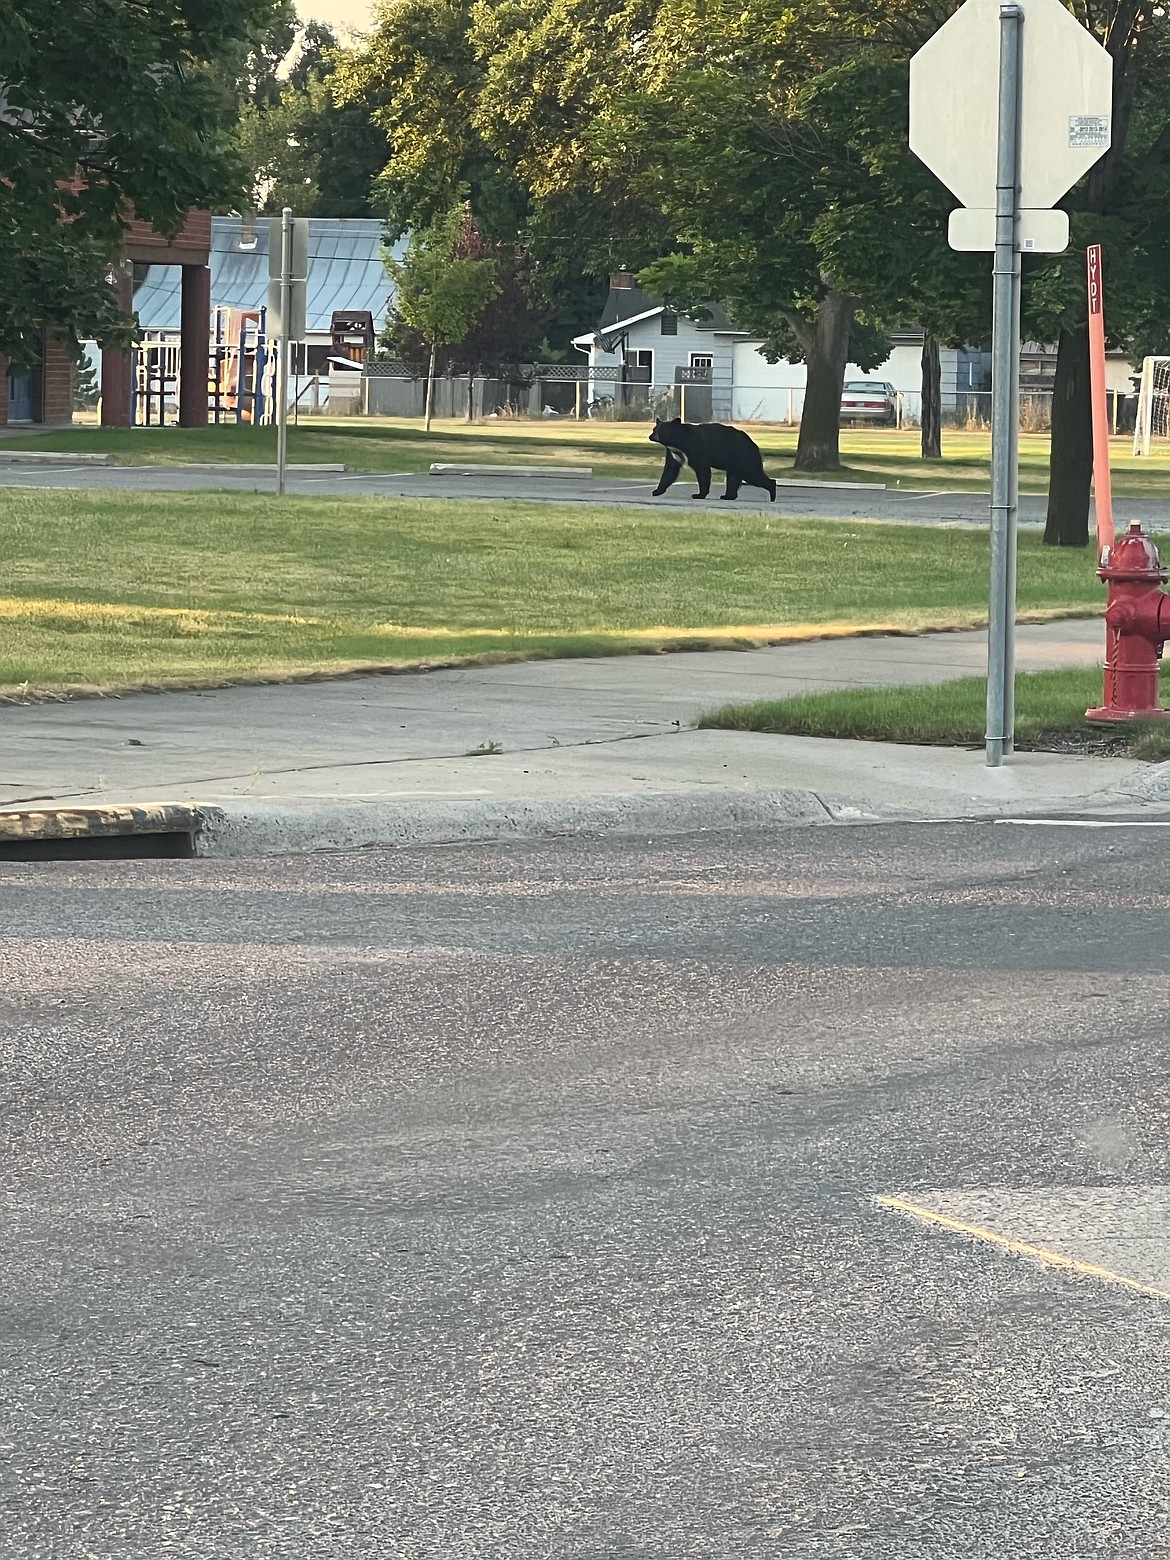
{"x": 760, "y": 478}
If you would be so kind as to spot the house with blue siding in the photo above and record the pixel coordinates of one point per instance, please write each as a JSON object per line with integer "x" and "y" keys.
{"x": 644, "y": 354}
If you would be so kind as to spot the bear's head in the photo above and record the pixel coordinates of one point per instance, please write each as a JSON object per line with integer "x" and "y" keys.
{"x": 664, "y": 428}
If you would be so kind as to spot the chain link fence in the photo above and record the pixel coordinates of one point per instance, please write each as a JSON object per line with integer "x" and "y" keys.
{"x": 548, "y": 391}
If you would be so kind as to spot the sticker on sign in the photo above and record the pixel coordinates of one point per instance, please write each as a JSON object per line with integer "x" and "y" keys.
{"x": 1088, "y": 130}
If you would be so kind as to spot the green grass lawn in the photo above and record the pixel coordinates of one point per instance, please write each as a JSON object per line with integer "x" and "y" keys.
{"x": 1050, "y": 714}
{"x": 110, "y": 590}
{"x": 612, "y": 449}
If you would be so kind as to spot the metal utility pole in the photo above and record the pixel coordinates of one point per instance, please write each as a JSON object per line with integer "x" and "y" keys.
{"x": 1054, "y": 86}
{"x": 1005, "y": 398}
{"x": 282, "y": 367}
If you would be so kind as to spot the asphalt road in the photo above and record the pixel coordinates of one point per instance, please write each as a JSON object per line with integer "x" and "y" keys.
{"x": 523, "y": 1202}
{"x": 821, "y": 500}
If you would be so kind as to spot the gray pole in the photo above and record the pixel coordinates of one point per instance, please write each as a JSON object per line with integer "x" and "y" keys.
{"x": 1005, "y": 385}
{"x": 282, "y": 362}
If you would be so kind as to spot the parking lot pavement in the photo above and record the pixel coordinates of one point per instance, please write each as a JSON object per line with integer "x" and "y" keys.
{"x": 813, "y": 500}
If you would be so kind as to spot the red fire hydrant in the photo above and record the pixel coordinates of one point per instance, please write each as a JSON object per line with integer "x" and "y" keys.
{"x": 1137, "y": 623}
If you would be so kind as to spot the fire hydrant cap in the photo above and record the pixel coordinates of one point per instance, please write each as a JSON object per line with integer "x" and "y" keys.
{"x": 1134, "y": 557}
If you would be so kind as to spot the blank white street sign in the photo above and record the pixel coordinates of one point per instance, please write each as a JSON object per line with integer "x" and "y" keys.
{"x": 300, "y": 248}
{"x": 1066, "y": 100}
{"x": 297, "y": 302}
{"x": 1037, "y": 232}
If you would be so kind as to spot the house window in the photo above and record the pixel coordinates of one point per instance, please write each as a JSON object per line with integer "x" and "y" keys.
{"x": 640, "y": 366}
{"x": 669, "y": 323}
{"x": 702, "y": 364}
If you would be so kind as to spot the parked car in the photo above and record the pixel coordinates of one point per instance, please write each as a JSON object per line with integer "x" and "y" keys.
{"x": 869, "y": 401}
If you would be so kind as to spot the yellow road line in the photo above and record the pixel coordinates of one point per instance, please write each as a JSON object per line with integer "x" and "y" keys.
{"x": 1020, "y": 1248}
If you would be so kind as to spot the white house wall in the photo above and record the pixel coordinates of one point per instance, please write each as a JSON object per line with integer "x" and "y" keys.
{"x": 774, "y": 392}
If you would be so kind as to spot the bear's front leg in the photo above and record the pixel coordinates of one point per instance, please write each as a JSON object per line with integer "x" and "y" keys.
{"x": 669, "y": 475}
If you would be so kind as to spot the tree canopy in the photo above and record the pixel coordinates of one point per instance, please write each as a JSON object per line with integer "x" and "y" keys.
{"x": 421, "y": 76}
{"x": 302, "y": 147}
{"x": 108, "y": 109}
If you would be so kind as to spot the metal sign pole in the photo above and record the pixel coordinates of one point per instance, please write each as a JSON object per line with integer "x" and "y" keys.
{"x": 1005, "y": 384}
{"x": 282, "y": 362}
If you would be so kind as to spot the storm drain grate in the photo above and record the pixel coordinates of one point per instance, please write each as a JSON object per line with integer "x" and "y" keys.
{"x": 149, "y": 831}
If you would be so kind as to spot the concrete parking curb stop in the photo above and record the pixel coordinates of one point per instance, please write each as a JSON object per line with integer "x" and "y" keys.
{"x": 258, "y": 469}
{"x": 443, "y": 469}
{"x": 52, "y": 458}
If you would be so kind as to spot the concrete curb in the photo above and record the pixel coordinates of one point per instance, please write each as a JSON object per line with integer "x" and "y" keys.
{"x": 272, "y": 829}
{"x": 441, "y": 469}
{"x": 247, "y": 829}
{"x": 51, "y": 458}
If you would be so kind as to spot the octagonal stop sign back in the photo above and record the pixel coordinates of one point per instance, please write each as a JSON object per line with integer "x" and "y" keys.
{"x": 1066, "y": 97}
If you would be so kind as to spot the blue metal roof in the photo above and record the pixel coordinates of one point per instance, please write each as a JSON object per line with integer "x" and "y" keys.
{"x": 345, "y": 272}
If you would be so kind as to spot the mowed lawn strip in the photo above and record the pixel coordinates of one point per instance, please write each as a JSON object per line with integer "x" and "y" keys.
{"x": 108, "y": 590}
{"x": 1050, "y": 714}
{"x": 889, "y": 456}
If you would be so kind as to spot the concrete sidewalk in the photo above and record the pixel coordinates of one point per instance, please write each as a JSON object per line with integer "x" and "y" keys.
{"x": 543, "y": 746}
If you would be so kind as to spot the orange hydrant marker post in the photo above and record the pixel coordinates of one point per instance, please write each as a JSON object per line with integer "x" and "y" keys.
{"x": 1137, "y": 619}
{"x": 1102, "y": 485}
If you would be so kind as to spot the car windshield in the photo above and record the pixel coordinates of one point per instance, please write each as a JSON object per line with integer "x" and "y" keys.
{"x": 873, "y": 385}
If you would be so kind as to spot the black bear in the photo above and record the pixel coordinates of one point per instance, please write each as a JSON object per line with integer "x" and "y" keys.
{"x": 706, "y": 445}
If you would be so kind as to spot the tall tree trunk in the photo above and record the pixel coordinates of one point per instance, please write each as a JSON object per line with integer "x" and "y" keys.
{"x": 1131, "y": 40}
{"x": 931, "y": 399}
{"x": 1071, "y": 471}
{"x": 430, "y": 391}
{"x": 470, "y": 398}
{"x": 818, "y": 446}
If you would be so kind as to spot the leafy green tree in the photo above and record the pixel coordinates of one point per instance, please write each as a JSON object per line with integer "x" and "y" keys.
{"x": 421, "y": 78}
{"x": 1124, "y": 205}
{"x": 303, "y": 148}
{"x": 108, "y": 108}
{"x": 251, "y": 67}
{"x": 503, "y": 341}
{"x": 86, "y": 385}
{"x": 445, "y": 282}
{"x": 707, "y": 113}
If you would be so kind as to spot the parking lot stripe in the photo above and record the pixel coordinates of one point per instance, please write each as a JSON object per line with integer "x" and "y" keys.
{"x": 1019, "y": 1248}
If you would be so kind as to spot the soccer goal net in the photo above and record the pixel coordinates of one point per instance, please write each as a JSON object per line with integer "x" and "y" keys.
{"x": 1152, "y": 431}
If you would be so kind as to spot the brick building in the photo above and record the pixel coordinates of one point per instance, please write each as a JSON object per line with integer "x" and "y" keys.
{"x": 190, "y": 248}
{"x": 44, "y": 394}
